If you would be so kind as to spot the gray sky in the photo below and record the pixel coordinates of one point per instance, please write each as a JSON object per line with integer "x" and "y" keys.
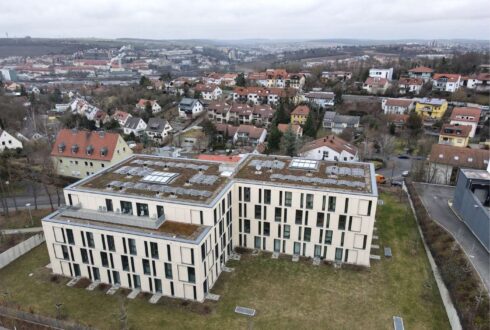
{"x": 231, "y": 19}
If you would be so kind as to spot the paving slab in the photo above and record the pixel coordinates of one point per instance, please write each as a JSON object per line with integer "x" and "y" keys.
{"x": 212, "y": 296}
{"x": 112, "y": 290}
{"x": 245, "y": 311}
{"x": 155, "y": 298}
{"x": 295, "y": 258}
{"x": 375, "y": 257}
{"x": 275, "y": 255}
{"x": 93, "y": 285}
{"x": 228, "y": 269}
{"x": 133, "y": 294}
{"x": 316, "y": 261}
{"x": 73, "y": 281}
{"x": 374, "y": 246}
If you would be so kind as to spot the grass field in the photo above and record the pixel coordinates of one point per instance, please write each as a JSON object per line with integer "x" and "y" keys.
{"x": 286, "y": 295}
{"x": 22, "y": 219}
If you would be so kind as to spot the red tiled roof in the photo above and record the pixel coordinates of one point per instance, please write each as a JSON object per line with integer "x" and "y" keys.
{"x": 410, "y": 81}
{"x": 396, "y": 118}
{"x": 142, "y": 103}
{"x": 220, "y": 158}
{"x": 205, "y": 88}
{"x": 376, "y": 81}
{"x": 451, "y": 77}
{"x": 455, "y": 130}
{"x": 83, "y": 139}
{"x": 226, "y": 129}
{"x": 459, "y": 157}
{"x": 333, "y": 142}
{"x": 466, "y": 112}
{"x": 421, "y": 69}
{"x": 284, "y": 127}
{"x": 252, "y": 131}
{"x": 301, "y": 110}
{"x": 120, "y": 115}
{"x": 399, "y": 102}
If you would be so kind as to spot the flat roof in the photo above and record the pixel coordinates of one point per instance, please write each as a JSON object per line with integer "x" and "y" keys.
{"x": 476, "y": 174}
{"x": 195, "y": 181}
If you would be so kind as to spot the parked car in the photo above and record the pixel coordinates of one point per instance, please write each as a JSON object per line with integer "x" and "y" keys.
{"x": 396, "y": 183}
{"x": 403, "y": 156}
{"x": 380, "y": 179}
{"x": 405, "y": 173}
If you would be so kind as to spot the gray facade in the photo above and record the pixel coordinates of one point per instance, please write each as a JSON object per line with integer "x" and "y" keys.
{"x": 472, "y": 202}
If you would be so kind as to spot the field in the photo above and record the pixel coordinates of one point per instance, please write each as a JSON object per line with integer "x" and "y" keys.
{"x": 286, "y": 295}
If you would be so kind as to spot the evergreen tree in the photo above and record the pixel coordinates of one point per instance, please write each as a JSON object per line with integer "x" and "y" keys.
{"x": 414, "y": 124}
{"x": 144, "y": 81}
{"x": 309, "y": 127}
{"x": 281, "y": 116}
{"x": 338, "y": 95}
{"x": 274, "y": 139}
{"x": 240, "y": 80}
{"x": 289, "y": 142}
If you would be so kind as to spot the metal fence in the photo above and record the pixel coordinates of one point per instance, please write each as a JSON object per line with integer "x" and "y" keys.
{"x": 20, "y": 249}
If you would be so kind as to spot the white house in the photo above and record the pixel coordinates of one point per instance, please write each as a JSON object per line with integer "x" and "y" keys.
{"x": 397, "y": 106}
{"x": 410, "y": 85}
{"x": 376, "y": 85}
{"x": 381, "y": 73}
{"x": 209, "y": 92}
{"x": 330, "y": 148}
{"x": 446, "y": 82}
{"x": 158, "y": 129}
{"x": 134, "y": 125}
{"x": 155, "y": 107}
{"x": 121, "y": 117}
{"x": 7, "y": 141}
{"x": 322, "y": 99}
{"x": 249, "y": 135}
{"x": 190, "y": 108}
{"x": 466, "y": 116}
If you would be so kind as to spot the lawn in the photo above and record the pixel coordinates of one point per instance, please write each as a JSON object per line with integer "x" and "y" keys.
{"x": 285, "y": 294}
{"x": 22, "y": 219}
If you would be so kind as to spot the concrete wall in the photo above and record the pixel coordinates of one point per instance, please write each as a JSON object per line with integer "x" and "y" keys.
{"x": 20, "y": 249}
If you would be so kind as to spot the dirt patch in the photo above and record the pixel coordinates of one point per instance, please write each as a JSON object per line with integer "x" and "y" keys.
{"x": 82, "y": 283}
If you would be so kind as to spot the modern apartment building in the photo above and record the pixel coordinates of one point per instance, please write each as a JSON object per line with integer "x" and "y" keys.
{"x": 169, "y": 225}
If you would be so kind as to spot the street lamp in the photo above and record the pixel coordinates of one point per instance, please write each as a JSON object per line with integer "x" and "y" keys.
{"x": 28, "y": 205}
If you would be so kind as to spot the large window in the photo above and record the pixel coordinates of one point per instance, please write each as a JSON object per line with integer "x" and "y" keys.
{"x": 277, "y": 245}
{"x": 307, "y": 234}
{"x": 331, "y": 203}
{"x": 267, "y": 229}
{"x": 320, "y": 219}
{"x": 338, "y": 254}
{"x": 318, "y": 251}
{"x": 246, "y": 194}
{"x": 288, "y": 198}
{"x": 191, "y": 274}
{"x": 287, "y": 231}
{"x": 297, "y": 248}
{"x": 267, "y": 196}
{"x": 132, "y": 246}
{"x": 328, "y": 236}
{"x": 142, "y": 209}
{"x": 258, "y": 212}
{"x": 154, "y": 250}
{"x": 84, "y": 254}
{"x": 146, "y": 267}
{"x": 277, "y": 214}
{"x": 127, "y": 207}
{"x": 104, "y": 260}
{"x": 298, "y": 219}
{"x": 309, "y": 201}
{"x": 257, "y": 242}
{"x": 125, "y": 263}
{"x": 168, "y": 271}
{"x": 110, "y": 243}
{"x": 246, "y": 226}
{"x": 342, "y": 221}
{"x": 69, "y": 236}
{"x": 90, "y": 240}
{"x": 160, "y": 211}
{"x": 108, "y": 205}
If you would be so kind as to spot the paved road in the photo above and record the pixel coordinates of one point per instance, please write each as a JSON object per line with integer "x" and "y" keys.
{"x": 42, "y": 200}
{"x": 435, "y": 199}
{"x": 400, "y": 166}
{"x": 361, "y": 98}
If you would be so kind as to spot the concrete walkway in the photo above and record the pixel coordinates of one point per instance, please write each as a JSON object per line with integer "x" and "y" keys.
{"x": 435, "y": 199}
{"x": 21, "y": 230}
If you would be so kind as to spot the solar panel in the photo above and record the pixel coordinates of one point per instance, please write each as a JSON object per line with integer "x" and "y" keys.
{"x": 357, "y": 172}
{"x": 267, "y": 163}
{"x": 303, "y": 164}
{"x": 160, "y": 177}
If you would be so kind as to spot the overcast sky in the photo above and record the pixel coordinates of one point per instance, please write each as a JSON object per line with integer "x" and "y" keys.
{"x": 232, "y": 19}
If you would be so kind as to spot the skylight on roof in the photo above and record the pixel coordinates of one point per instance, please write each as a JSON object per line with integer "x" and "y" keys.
{"x": 304, "y": 164}
{"x": 160, "y": 177}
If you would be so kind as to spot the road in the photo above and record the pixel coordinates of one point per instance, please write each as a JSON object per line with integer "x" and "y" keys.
{"x": 400, "y": 165}
{"x": 361, "y": 98}
{"x": 435, "y": 199}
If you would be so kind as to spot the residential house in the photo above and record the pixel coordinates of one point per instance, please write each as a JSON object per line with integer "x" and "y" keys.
{"x": 263, "y": 95}
{"x": 397, "y": 120}
{"x": 262, "y": 114}
{"x": 158, "y": 129}
{"x": 431, "y": 108}
{"x": 134, "y": 125}
{"x": 472, "y": 203}
{"x": 160, "y": 232}
{"x": 155, "y": 107}
{"x": 226, "y": 132}
{"x": 446, "y": 82}
{"x": 466, "y": 116}
{"x": 421, "y": 72}
{"x": 241, "y": 113}
{"x": 8, "y": 141}
{"x": 455, "y": 135}
{"x": 397, "y": 106}
{"x": 296, "y": 80}
{"x": 337, "y": 122}
{"x": 445, "y": 161}
{"x": 218, "y": 111}
{"x": 483, "y": 82}
{"x": 410, "y": 85}
{"x": 297, "y": 129}
{"x": 381, "y": 73}
{"x": 375, "y": 85}
{"x": 336, "y": 75}
{"x": 322, "y": 99}
{"x": 209, "y": 91}
{"x": 249, "y": 135}
{"x": 300, "y": 114}
{"x": 80, "y": 153}
{"x": 101, "y": 117}
{"x": 121, "y": 117}
{"x": 190, "y": 108}
{"x": 331, "y": 148}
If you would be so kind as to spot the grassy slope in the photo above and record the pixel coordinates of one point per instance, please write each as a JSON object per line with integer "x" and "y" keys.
{"x": 285, "y": 294}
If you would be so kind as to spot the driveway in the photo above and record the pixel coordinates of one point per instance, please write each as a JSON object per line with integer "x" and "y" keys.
{"x": 435, "y": 199}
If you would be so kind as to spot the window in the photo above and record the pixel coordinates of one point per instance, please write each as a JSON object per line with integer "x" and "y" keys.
{"x": 160, "y": 211}
{"x": 346, "y": 207}
{"x": 108, "y": 205}
{"x": 287, "y": 231}
{"x": 168, "y": 271}
{"x": 338, "y": 254}
{"x": 267, "y": 196}
{"x": 258, "y": 212}
{"x": 277, "y": 245}
{"x": 257, "y": 242}
{"x": 246, "y": 194}
{"x": 132, "y": 246}
{"x": 96, "y": 274}
{"x": 318, "y": 251}
{"x": 267, "y": 229}
{"x": 297, "y": 248}
{"x": 342, "y": 221}
{"x": 331, "y": 203}
{"x": 191, "y": 273}
{"x": 154, "y": 250}
{"x": 307, "y": 234}
{"x": 299, "y": 217}
{"x": 104, "y": 260}
{"x": 320, "y": 219}
{"x": 142, "y": 209}
{"x": 110, "y": 243}
{"x": 64, "y": 249}
{"x": 158, "y": 285}
{"x": 288, "y": 197}
{"x": 136, "y": 281}
{"x": 69, "y": 236}
{"x": 309, "y": 201}
{"x": 277, "y": 214}
{"x": 369, "y": 208}
{"x": 90, "y": 240}
{"x": 328, "y": 236}
{"x": 84, "y": 254}
{"x": 146, "y": 267}
{"x": 127, "y": 207}
{"x": 125, "y": 263}
{"x": 76, "y": 269}
{"x": 246, "y": 226}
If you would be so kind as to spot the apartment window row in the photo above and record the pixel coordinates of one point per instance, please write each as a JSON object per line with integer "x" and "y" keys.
{"x": 126, "y": 207}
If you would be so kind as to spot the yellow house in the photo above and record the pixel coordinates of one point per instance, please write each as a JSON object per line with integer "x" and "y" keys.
{"x": 431, "y": 108}
{"x": 300, "y": 114}
{"x": 455, "y": 135}
{"x": 81, "y": 153}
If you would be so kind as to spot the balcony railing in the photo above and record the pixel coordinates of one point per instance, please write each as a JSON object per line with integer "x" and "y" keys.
{"x": 114, "y": 218}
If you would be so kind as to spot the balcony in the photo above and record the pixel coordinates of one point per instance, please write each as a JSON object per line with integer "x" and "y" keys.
{"x": 114, "y": 218}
